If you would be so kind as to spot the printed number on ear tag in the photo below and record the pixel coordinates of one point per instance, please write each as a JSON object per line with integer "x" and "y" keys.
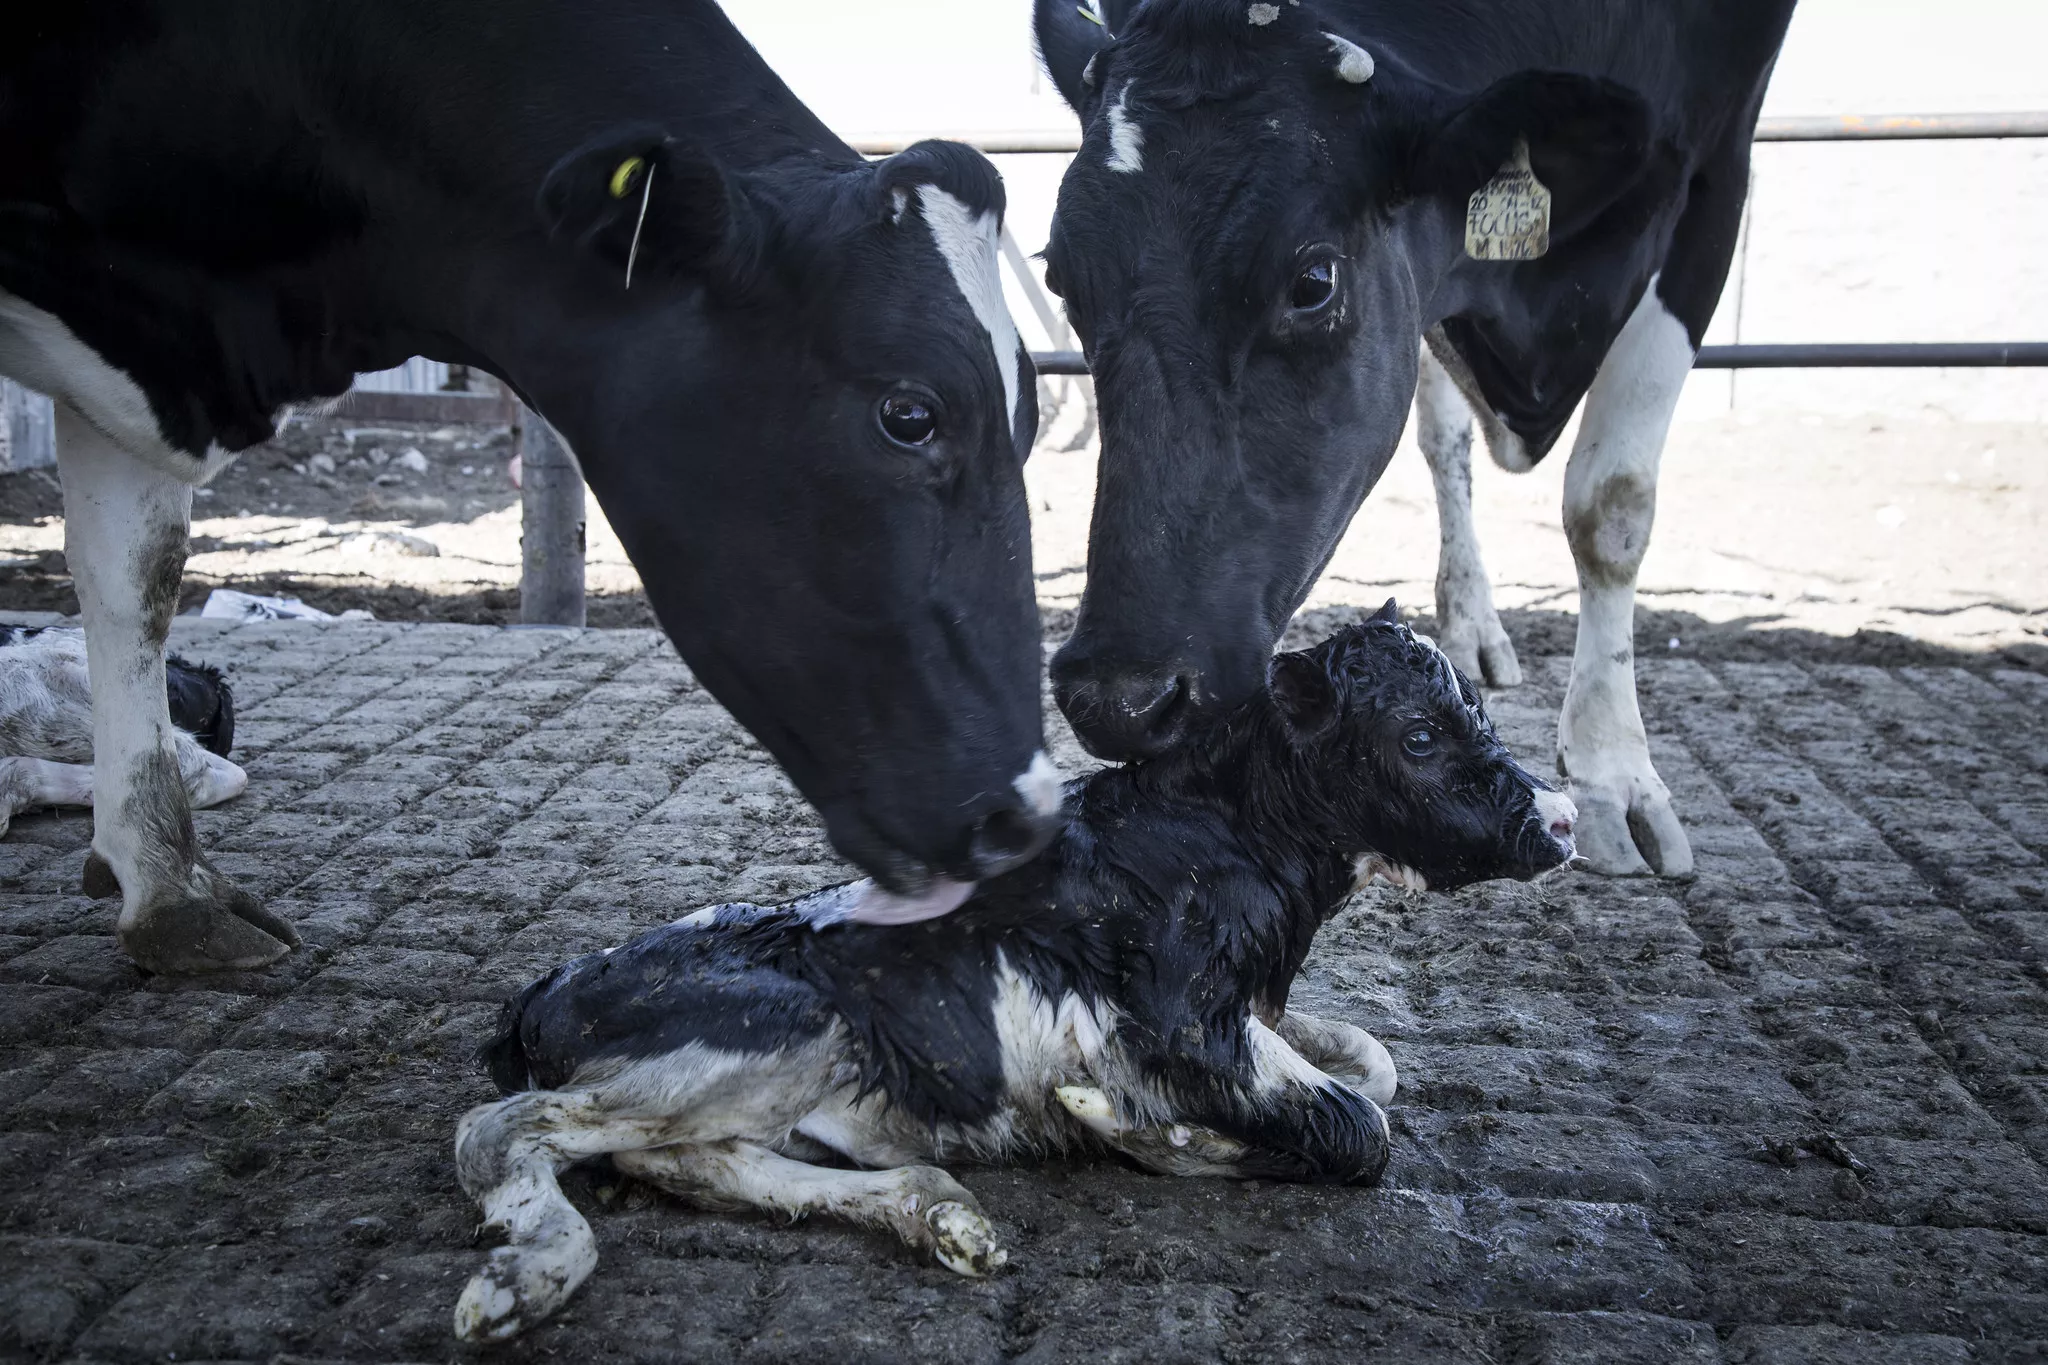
{"x": 1508, "y": 218}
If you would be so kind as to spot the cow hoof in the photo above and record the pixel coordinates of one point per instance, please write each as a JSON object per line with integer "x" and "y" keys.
{"x": 215, "y": 927}
{"x": 1482, "y": 651}
{"x": 1628, "y": 829}
{"x": 963, "y": 1241}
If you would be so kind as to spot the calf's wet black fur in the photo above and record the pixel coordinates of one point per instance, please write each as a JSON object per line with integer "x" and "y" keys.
{"x": 1128, "y": 988}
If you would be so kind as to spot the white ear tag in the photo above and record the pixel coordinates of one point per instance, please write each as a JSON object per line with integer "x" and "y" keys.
{"x": 1508, "y": 218}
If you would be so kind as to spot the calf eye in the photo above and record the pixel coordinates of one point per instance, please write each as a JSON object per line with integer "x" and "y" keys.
{"x": 1419, "y": 743}
{"x": 907, "y": 419}
{"x": 1314, "y": 287}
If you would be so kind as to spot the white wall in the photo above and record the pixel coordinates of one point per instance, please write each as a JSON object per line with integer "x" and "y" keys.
{"x": 1897, "y": 242}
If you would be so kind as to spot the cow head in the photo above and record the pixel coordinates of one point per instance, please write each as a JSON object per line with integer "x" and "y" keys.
{"x": 807, "y": 421}
{"x": 1391, "y": 745}
{"x": 1255, "y": 233}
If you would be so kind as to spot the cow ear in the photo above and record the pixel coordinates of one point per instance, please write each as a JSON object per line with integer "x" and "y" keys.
{"x": 1388, "y": 615}
{"x": 1588, "y": 140}
{"x": 954, "y": 167}
{"x": 1070, "y": 33}
{"x": 1303, "y": 693}
{"x": 636, "y": 195}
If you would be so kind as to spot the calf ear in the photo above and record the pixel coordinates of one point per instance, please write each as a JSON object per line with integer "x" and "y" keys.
{"x": 1388, "y": 615}
{"x": 1303, "y": 694}
{"x": 1588, "y": 138}
{"x": 1070, "y": 33}
{"x": 637, "y": 181}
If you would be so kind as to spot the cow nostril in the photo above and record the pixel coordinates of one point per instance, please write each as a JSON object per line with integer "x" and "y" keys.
{"x": 1561, "y": 828}
{"x": 1007, "y": 838}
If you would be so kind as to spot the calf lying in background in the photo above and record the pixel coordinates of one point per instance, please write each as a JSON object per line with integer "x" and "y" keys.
{"x": 1128, "y": 987}
{"x": 46, "y": 724}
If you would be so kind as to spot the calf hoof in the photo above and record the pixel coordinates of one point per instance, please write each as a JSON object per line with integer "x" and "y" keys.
{"x": 1629, "y": 829}
{"x": 517, "y": 1289}
{"x": 1482, "y": 651}
{"x": 963, "y": 1241}
{"x": 215, "y": 927}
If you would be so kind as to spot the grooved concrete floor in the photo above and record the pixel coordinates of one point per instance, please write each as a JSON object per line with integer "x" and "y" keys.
{"x": 1622, "y": 1134}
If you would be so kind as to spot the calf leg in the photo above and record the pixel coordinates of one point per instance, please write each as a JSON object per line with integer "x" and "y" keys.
{"x": 29, "y": 783}
{"x": 1468, "y": 627}
{"x": 922, "y": 1205}
{"x": 1284, "y": 1120}
{"x": 1342, "y": 1050}
{"x": 125, "y": 526}
{"x": 507, "y": 1156}
{"x": 1610, "y": 499}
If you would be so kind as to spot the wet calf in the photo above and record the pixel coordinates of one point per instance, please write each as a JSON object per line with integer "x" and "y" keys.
{"x": 46, "y": 725}
{"x": 1127, "y": 988}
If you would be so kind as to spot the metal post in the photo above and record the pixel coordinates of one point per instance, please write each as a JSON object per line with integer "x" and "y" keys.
{"x": 551, "y": 526}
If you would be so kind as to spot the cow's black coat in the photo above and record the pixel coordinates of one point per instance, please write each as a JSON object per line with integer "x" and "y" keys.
{"x": 238, "y": 204}
{"x": 1254, "y": 429}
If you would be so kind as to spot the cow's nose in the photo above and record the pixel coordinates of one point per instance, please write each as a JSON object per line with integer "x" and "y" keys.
{"x": 1558, "y": 814}
{"x": 1120, "y": 714}
{"x": 1010, "y": 837}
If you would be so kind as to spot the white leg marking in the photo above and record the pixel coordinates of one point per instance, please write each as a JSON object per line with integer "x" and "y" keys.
{"x": 125, "y": 526}
{"x": 1126, "y": 138}
{"x": 1469, "y": 626}
{"x": 507, "y": 1155}
{"x": 923, "y": 1205}
{"x": 1610, "y": 500}
{"x": 970, "y": 247}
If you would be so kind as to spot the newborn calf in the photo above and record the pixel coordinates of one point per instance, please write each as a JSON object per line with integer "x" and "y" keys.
{"x": 1128, "y": 987}
{"x": 46, "y": 725}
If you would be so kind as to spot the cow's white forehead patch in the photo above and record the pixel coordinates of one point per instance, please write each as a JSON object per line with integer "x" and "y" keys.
{"x": 1126, "y": 139}
{"x": 969, "y": 244}
{"x": 1262, "y": 15}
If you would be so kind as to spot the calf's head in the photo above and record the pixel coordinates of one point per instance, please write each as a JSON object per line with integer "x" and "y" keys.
{"x": 807, "y": 420}
{"x": 1392, "y": 754}
{"x": 1254, "y": 235}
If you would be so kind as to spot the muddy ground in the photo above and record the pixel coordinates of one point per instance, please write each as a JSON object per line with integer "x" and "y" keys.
{"x": 1793, "y": 1110}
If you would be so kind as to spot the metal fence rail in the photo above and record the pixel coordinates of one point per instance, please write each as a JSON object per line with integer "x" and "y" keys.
{"x": 1817, "y": 128}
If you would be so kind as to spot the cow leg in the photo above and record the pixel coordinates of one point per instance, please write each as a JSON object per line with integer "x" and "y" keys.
{"x": 1468, "y": 627}
{"x": 1626, "y": 825}
{"x": 30, "y": 783}
{"x": 922, "y": 1205}
{"x": 1342, "y": 1050}
{"x": 125, "y": 526}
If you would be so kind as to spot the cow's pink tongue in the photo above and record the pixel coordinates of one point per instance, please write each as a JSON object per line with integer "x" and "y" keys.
{"x": 877, "y": 906}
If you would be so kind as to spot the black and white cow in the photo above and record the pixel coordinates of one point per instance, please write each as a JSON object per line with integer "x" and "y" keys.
{"x": 788, "y": 372}
{"x": 1129, "y": 987}
{"x": 1270, "y": 208}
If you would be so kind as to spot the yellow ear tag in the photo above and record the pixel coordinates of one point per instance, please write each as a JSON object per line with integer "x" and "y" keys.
{"x": 622, "y": 178}
{"x": 1508, "y": 218}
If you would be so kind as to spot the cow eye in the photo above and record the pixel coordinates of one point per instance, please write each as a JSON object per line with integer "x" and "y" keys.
{"x": 1419, "y": 743}
{"x": 1314, "y": 287}
{"x": 907, "y": 419}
